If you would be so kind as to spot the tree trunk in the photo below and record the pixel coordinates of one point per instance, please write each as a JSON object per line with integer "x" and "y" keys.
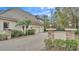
{"x": 73, "y": 19}
{"x": 23, "y": 28}
{"x": 26, "y": 30}
{"x": 76, "y": 22}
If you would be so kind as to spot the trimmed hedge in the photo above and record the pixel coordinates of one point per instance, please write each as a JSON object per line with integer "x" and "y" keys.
{"x": 69, "y": 45}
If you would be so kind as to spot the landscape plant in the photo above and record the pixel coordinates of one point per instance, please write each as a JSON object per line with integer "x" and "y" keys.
{"x": 77, "y": 31}
{"x": 16, "y": 33}
{"x": 71, "y": 45}
{"x": 3, "y": 36}
{"x": 48, "y": 43}
{"x": 58, "y": 44}
{"x": 24, "y": 24}
{"x": 30, "y": 32}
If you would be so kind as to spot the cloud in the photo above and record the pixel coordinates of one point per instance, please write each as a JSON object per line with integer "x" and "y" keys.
{"x": 42, "y": 7}
{"x": 47, "y": 12}
{"x": 47, "y": 8}
{"x": 41, "y": 10}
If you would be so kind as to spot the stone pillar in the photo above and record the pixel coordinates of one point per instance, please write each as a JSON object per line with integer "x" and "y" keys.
{"x": 51, "y": 33}
{"x": 70, "y": 33}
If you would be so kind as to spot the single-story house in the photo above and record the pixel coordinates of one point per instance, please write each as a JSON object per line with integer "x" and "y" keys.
{"x": 9, "y": 17}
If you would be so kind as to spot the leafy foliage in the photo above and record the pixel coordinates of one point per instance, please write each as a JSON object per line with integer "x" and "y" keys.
{"x": 3, "y": 36}
{"x": 48, "y": 43}
{"x": 30, "y": 32}
{"x": 69, "y": 45}
{"x": 16, "y": 33}
{"x": 61, "y": 19}
{"x": 23, "y": 23}
{"x": 77, "y": 31}
{"x": 67, "y": 16}
{"x": 59, "y": 43}
{"x": 46, "y": 22}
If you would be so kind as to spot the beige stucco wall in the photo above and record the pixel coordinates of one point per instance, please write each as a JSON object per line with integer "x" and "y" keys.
{"x": 38, "y": 29}
{"x": 12, "y": 25}
{"x": 1, "y": 24}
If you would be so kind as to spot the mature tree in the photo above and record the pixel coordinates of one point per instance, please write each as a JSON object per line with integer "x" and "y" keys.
{"x": 60, "y": 19}
{"x": 23, "y": 23}
{"x": 70, "y": 14}
{"x": 20, "y": 23}
{"x": 27, "y": 23}
{"x": 73, "y": 14}
{"x": 46, "y": 22}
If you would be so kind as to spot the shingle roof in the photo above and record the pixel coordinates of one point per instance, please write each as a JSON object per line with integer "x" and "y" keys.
{"x": 15, "y": 14}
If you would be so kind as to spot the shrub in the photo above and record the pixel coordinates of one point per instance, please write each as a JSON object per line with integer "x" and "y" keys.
{"x": 3, "y": 36}
{"x": 16, "y": 33}
{"x": 71, "y": 45}
{"x": 59, "y": 43}
{"x": 30, "y": 32}
{"x": 48, "y": 43}
{"x": 77, "y": 31}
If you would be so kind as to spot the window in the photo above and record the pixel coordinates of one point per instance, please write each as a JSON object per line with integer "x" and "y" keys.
{"x": 5, "y": 25}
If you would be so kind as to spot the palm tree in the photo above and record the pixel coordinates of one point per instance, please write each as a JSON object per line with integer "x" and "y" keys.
{"x": 24, "y": 24}
{"x": 61, "y": 19}
{"x": 46, "y": 22}
{"x": 20, "y": 23}
{"x": 72, "y": 14}
{"x": 27, "y": 23}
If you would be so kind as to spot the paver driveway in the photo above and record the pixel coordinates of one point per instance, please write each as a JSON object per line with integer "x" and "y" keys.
{"x": 26, "y": 43}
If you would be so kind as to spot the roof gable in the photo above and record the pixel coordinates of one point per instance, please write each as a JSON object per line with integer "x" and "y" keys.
{"x": 19, "y": 14}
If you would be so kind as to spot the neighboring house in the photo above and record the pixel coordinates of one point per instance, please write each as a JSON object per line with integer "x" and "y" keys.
{"x": 9, "y": 17}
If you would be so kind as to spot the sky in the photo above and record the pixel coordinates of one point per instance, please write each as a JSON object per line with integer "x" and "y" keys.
{"x": 34, "y": 10}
